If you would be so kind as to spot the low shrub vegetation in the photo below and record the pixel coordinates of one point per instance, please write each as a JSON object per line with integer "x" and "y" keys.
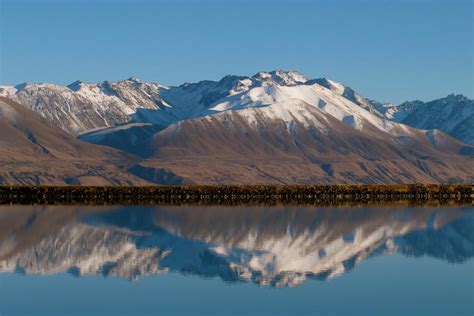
{"x": 235, "y": 195}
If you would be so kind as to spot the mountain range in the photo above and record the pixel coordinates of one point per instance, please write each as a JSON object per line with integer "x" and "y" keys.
{"x": 273, "y": 127}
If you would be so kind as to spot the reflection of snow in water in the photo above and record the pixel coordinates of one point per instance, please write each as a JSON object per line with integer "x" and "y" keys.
{"x": 270, "y": 250}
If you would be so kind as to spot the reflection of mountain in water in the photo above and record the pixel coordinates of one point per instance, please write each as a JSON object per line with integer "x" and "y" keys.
{"x": 269, "y": 246}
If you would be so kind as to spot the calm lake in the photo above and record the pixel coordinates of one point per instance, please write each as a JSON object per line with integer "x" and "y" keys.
{"x": 196, "y": 260}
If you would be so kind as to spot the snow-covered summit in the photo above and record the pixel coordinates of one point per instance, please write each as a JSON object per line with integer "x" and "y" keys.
{"x": 453, "y": 115}
{"x": 134, "y": 79}
{"x": 82, "y": 107}
{"x": 76, "y": 85}
{"x": 281, "y": 77}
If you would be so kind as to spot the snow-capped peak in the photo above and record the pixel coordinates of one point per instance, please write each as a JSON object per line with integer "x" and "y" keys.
{"x": 76, "y": 85}
{"x": 81, "y": 107}
{"x": 453, "y": 115}
{"x": 21, "y": 86}
{"x": 7, "y": 91}
{"x": 281, "y": 77}
{"x": 134, "y": 79}
{"x": 329, "y": 84}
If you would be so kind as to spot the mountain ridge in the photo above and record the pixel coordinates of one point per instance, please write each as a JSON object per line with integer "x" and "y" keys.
{"x": 133, "y": 101}
{"x": 273, "y": 127}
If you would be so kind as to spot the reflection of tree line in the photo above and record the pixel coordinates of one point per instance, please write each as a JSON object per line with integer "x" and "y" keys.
{"x": 238, "y": 195}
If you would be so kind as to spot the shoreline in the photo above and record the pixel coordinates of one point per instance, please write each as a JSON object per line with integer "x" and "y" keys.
{"x": 316, "y": 195}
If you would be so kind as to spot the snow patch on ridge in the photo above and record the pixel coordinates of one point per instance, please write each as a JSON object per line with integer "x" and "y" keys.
{"x": 82, "y": 107}
{"x": 7, "y": 91}
{"x": 290, "y": 112}
{"x": 315, "y": 95}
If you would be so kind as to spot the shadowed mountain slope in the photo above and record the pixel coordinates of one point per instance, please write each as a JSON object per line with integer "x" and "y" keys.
{"x": 453, "y": 115}
{"x": 33, "y": 151}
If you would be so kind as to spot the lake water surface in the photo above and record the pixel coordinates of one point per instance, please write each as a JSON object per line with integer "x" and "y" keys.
{"x": 83, "y": 260}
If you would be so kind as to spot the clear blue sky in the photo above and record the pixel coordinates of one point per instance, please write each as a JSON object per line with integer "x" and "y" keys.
{"x": 387, "y": 50}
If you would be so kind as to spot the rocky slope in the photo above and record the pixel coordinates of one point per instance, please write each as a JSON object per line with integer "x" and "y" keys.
{"x": 33, "y": 151}
{"x": 453, "y": 115}
{"x": 81, "y": 106}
